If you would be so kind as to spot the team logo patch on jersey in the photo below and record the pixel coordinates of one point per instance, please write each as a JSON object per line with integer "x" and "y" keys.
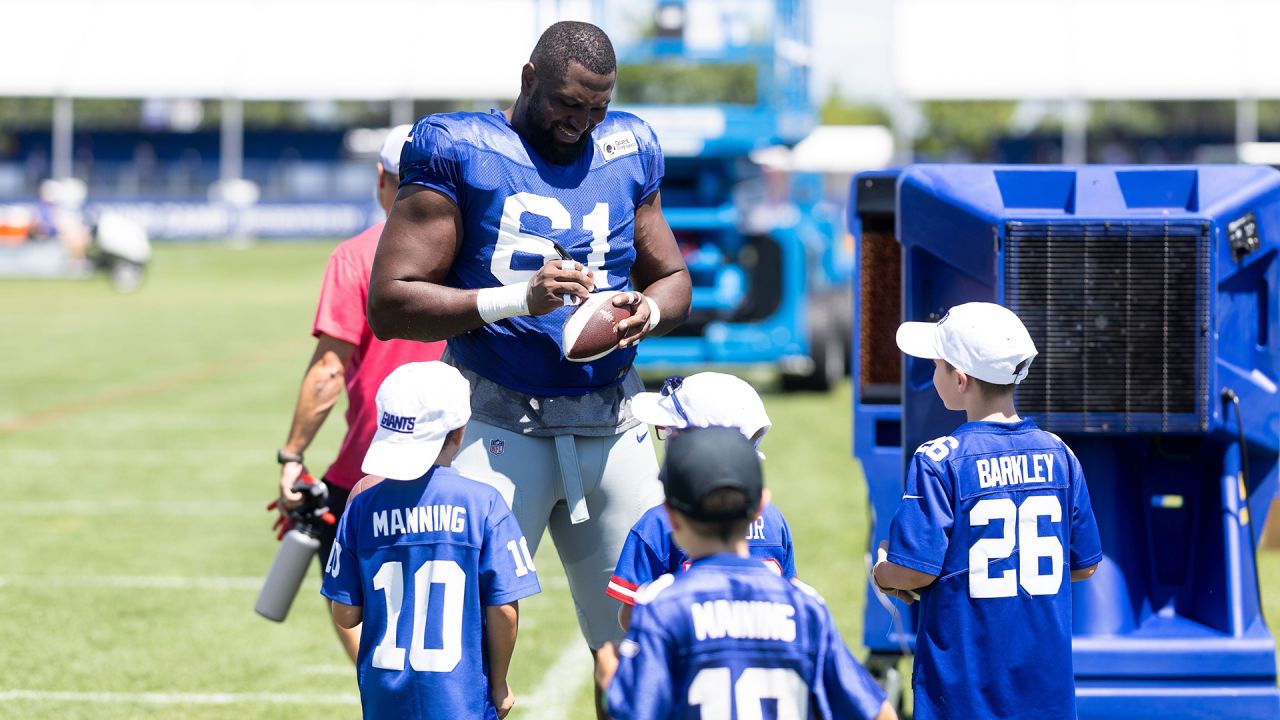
{"x": 496, "y": 447}
{"x": 618, "y": 145}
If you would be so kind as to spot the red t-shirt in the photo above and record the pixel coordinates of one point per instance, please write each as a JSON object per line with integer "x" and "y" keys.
{"x": 341, "y": 314}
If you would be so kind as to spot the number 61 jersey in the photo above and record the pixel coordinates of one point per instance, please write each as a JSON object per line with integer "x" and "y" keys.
{"x": 423, "y": 558}
{"x": 514, "y": 205}
{"x": 1000, "y": 513}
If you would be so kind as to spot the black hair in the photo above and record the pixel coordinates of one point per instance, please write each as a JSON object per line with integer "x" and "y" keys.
{"x": 724, "y": 500}
{"x": 579, "y": 42}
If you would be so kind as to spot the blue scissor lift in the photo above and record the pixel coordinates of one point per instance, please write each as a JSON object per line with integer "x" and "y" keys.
{"x": 765, "y": 251}
{"x": 1153, "y": 296}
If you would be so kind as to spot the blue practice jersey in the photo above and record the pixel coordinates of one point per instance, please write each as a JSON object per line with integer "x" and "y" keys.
{"x": 650, "y": 552}
{"x": 513, "y": 205}
{"x": 730, "y": 639}
{"x": 423, "y": 558}
{"x": 1000, "y": 513}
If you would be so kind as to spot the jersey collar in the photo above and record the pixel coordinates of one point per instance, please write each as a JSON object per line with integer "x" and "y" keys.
{"x": 726, "y": 560}
{"x": 988, "y": 425}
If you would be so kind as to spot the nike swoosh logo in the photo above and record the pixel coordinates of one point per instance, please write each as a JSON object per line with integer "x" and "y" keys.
{"x": 912, "y": 497}
{"x": 640, "y": 438}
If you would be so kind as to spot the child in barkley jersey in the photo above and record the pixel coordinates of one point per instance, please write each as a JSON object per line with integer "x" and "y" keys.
{"x": 990, "y": 515}
{"x": 432, "y": 562}
{"x": 729, "y": 638}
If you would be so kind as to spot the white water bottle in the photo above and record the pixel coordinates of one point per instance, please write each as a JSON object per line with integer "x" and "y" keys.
{"x": 297, "y": 551}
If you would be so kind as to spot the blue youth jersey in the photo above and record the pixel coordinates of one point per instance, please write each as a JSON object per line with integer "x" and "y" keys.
{"x": 423, "y": 558}
{"x": 730, "y": 639}
{"x": 650, "y": 552}
{"x": 1000, "y": 513}
{"x": 513, "y": 205}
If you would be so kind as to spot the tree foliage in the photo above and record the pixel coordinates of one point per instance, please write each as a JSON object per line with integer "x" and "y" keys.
{"x": 837, "y": 110}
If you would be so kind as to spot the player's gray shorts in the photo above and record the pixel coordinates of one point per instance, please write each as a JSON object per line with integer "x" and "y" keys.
{"x": 619, "y": 481}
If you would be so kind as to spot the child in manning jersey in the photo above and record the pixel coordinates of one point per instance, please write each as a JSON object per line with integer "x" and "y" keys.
{"x": 432, "y": 563}
{"x": 728, "y": 632}
{"x": 702, "y": 400}
{"x": 992, "y": 518}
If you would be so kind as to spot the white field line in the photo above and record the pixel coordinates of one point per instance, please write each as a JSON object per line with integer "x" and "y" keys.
{"x": 134, "y": 582}
{"x": 170, "y": 582}
{"x": 553, "y": 697}
{"x": 173, "y": 457}
{"x": 348, "y": 670}
{"x": 159, "y": 698}
{"x": 551, "y": 700}
{"x": 191, "y": 508}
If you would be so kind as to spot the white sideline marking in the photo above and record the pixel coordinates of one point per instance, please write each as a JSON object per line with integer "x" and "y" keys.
{"x": 173, "y": 582}
{"x": 193, "y": 508}
{"x": 560, "y": 684}
{"x": 347, "y": 670}
{"x": 157, "y": 698}
{"x": 135, "y": 582}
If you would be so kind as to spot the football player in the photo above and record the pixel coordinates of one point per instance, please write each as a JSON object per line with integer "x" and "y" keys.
{"x": 469, "y": 254}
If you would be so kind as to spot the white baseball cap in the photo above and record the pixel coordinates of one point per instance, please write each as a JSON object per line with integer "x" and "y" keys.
{"x": 707, "y": 399}
{"x": 983, "y": 340}
{"x": 419, "y": 404}
{"x": 389, "y": 156}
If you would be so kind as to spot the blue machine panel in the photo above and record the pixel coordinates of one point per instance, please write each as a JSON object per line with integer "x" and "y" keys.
{"x": 1151, "y": 293}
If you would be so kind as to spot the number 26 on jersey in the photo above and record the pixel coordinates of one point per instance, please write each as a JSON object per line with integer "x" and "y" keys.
{"x": 1031, "y": 546}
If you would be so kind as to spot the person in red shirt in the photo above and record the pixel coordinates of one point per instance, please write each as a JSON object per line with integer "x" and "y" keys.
{"x": 347, "y": 354}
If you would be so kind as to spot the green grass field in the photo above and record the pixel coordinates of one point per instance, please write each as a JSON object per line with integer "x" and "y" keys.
{"x": 136, "y": 449}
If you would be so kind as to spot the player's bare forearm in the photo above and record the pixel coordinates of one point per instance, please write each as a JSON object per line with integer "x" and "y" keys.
{"x": 321, "y": 387}
{"x": 501, "y": 624}
{"x": 659, "y": 268}
{"x": 673, "y": 294}
{"x": 407, "y": 297}
{"x": 418, "y": 310}
{"x": 346, "y": 616}
{"x": 892, "y": 576}
{"x": 1083, "y": 573}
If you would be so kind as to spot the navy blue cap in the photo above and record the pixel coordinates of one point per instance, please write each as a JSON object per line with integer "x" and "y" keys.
{"x": 701, "y": 460}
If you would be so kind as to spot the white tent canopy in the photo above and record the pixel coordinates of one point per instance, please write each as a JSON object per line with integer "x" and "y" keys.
{"x": 268, "y": 49}
{"x": 833, "y": 149}
{"x": 1087, "y": 49}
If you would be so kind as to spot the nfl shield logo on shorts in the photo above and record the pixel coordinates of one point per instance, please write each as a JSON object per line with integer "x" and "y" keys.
{"x": 496, "y": 447}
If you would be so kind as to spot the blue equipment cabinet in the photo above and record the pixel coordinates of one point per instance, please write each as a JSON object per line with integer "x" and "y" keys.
{"x": 765, "y": 250}
{"x": 1152, "y": 294}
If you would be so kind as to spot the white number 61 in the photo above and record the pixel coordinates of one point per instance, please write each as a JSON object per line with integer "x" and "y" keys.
{"x": 511, "y": 240}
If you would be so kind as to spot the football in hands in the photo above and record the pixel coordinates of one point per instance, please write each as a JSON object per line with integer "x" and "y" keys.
{"x": 591, "y": 331}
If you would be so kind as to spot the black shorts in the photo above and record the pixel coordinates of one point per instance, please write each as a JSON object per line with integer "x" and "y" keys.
{"x": 337, "y": 503}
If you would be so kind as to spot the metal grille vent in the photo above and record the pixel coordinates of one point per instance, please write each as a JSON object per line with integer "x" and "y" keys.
{"x": 1120, "y": 314}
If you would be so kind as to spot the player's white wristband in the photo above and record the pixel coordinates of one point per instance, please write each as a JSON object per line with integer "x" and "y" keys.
{"x": 655, "y": 315}
{"x": 503, "y": 302}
